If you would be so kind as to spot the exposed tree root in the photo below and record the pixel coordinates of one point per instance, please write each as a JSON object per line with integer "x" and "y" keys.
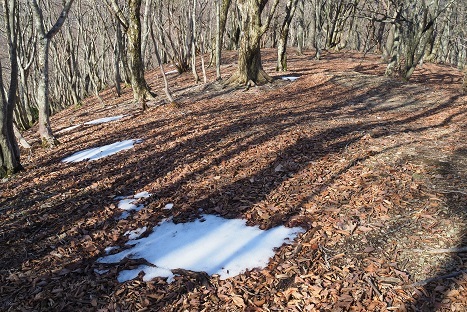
{"x": 242, "y": 79}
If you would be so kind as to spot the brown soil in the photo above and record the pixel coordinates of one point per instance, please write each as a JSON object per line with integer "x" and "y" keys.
{"x": 373, "y": 168}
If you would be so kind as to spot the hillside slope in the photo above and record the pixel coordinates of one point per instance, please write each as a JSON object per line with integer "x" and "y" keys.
{"x": 373, "y": 169}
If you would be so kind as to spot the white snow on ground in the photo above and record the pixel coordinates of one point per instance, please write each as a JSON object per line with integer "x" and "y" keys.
{"x": 127, "y": 203}
{"x": 68, "y": 129}
{"x": 169, "y": 206}
{"x": 171, "y": 72}
{"x": 135, "y": 233}
{"x": 100, "y": 152}
{"x": 92, "y": 122}
{"x": 212, "y": 244}
{"x": 290, "y": 78}
{"x": 102, "y": 120}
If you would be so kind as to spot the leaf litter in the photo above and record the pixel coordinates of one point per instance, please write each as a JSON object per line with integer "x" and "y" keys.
{"x": 373, "y": 169}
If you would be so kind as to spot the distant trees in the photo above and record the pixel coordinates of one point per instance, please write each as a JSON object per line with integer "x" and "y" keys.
{"x": 97, "y": 47}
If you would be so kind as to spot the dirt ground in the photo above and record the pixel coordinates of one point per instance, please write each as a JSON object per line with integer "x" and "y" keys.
{"x": 375, "y": 170}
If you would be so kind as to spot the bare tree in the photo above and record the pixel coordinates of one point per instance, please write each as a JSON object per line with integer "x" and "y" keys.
{"x": 9, "y": 151}
{"x": 284, "y": 35}
{"x": 222, "y": 10}
{"x": 250, "y": 69}
{"x": 45, "y": 130}
{"x": 132, "y": 26}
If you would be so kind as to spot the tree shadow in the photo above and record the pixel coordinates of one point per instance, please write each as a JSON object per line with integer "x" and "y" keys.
{"x": 64, "y": 198}
{"x": 447, "y": 285}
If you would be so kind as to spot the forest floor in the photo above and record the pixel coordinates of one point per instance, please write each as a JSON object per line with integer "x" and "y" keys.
{"x": 374, "y": 169}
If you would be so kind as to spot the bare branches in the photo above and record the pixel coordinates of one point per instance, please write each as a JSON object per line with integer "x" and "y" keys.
{"x": 113, "y": 6}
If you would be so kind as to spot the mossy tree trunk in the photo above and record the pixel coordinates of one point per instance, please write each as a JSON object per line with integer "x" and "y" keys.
{"x": 140, "y": 87}
{"x": 132, "y": 26}
{"x": 250, "y": 70}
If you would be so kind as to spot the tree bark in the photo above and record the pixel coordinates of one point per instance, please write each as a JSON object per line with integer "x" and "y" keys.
{"x": 222, "y": 10}
{"x": 284, "y": 35}
{"x": 132, "y": 25}
{"x": 45, "y": 130}
{"x": 250, "y": 70}
{"x": 9, "y": 151}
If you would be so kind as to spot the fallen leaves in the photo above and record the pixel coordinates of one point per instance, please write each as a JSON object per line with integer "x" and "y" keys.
{"x": 359, "y": 174}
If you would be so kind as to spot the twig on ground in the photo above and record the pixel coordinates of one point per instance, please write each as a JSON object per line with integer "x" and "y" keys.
{"x": 443, "y": 250}
{"x": 451, "y": 191}
{"x": 436, "y": 278}
{"x": 373, "y": 286}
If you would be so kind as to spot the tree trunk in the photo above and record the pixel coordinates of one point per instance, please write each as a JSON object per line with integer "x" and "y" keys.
{"x": 464, "y": 83}
{"x": 250, "y": 70}
{"x": 132, "y": 25}
{"x": 141, "y": 90}
{"x": 301, "y": 26}
{"x": 45, "y": 130}
{"x": 117, "y": 57}
{"x": 9, "y": 151}
{"x": 193, "y": 42}
{"x": 221, "y": 20}
{"x": 284, "y": 35}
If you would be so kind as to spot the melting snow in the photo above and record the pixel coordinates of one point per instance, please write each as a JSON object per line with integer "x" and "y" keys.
{"x": 68, "y": 129}
{"x": 103, "y": 120}
{"x": 290, "y": 78}
{"x": 100, "y": 152}
{"x": 135, "y": 233}
{"x": 212, "y": 244}
{"x": 169, "y": 206}
{"x": 171, "y": 72}
{"x": 109, "y": 249}
{"x": 127, "y": 203}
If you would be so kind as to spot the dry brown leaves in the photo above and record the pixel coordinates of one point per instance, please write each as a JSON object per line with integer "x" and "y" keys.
{"x": 374, "y": 169}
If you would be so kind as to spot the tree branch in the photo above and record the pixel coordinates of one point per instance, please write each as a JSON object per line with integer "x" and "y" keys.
{"x": 113, "y": 7}
{"x": 265, "y": 27}
{"x": 61, "y": 19}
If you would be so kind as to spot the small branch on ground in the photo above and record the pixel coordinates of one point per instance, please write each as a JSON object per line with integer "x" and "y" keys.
{"x": 437, "y": 278}
{"x": 443, "y": 250}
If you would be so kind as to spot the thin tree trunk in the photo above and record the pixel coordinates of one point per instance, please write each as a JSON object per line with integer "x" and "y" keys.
{"x": 301, "y": 26}
{"x": 9, "y": 151}
{"x": 193, "y": 42}
{"x": 221, "y": 13}
{"x": 117, "y": 57}
{"x": 218, "y": 40}
{"x": 45, "y": 130}
{"x": 167, "y": 92}
{"x": 284, "y": 35}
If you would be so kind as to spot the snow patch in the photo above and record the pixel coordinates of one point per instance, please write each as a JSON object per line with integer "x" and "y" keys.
{"x": 169, "y": 206}
{"x": 103, "y": 120}
{"x": 135, "y": 233}
{"x": 126, "y": 203}
{"x": 101, "y": 152}
{"x": 212, "y": 244}
{"x": 68, "y": 129}
{"x": 289, "y": 78}
{"x": 171, "y": 72}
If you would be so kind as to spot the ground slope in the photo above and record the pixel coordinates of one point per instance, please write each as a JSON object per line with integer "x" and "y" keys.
{"x": 374, "y": 169}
